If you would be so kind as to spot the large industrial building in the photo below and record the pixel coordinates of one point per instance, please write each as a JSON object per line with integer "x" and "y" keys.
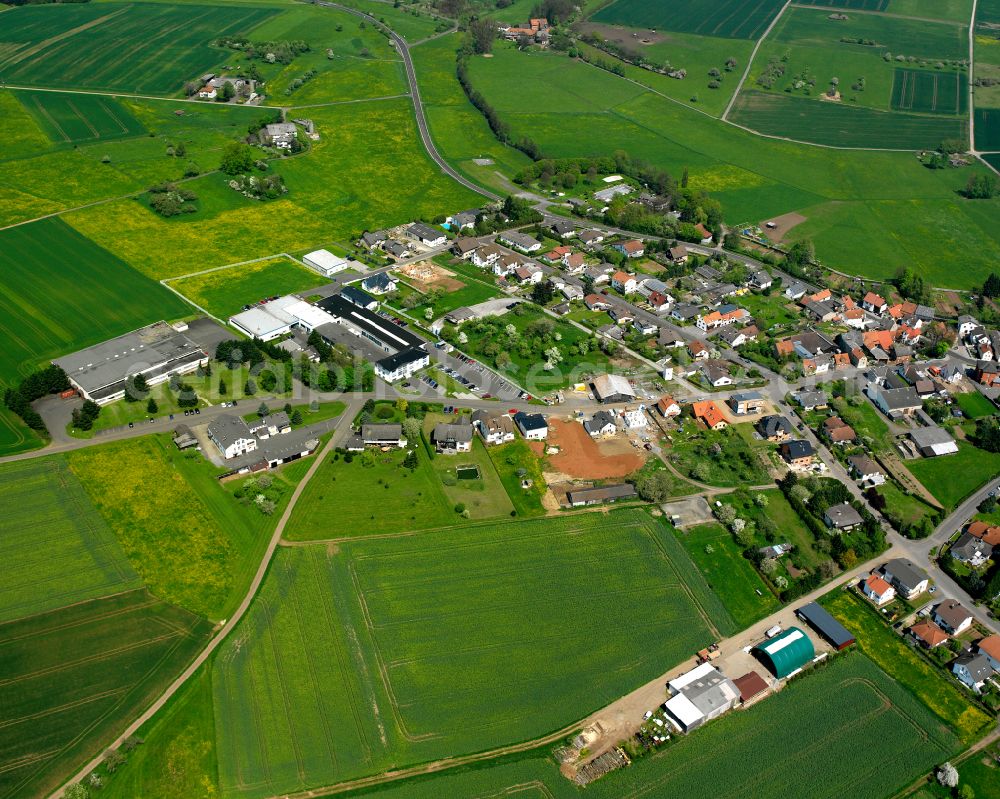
{"x": 704, "y": 693}
{"x": 101, "y": 373}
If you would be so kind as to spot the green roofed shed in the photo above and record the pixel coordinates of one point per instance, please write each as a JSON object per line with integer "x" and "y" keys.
{"x": 786, "y": 652}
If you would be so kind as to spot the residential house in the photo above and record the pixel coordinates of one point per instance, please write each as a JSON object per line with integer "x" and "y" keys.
{"x": 760, "y": 280}
{"x": 966, "y": 324}
{"x": 449, "y": 439}
{"x": 873, "y": 303}
{"x": 952, "y": 617}
{"x": 989, "y": 533}
{"x": 634, "y": 418}
{"x": 866, "y": 470}
{"x": 775, "y": 428}
{"x": 495, "y": 428}
{"x": 710, "y": 415}
{"x": 928, "y": 634}
{"x": 878, "y": 590}
{"x": 279, "y": 134}
{"x": 396, "y": 249}
{"x": 486, "y": 256}
{"x": 895, "y": 402}
{"x": 986, "y": 373}
{"x": 698, "y": 350}
{"x": 532, "y": 425}
{"x": 426, "y": 235}
{"x": 379, "y": 283}
{"x": 556, "y": 254}
{"x": 644, "y": 327}
{"x": 678, "y": 254}
{"x": 623, "y": 315}
{"x": 842, "y": 517}
{"x": 231, "y": 435}
{"x": 596, "y": 302}
{"x": 563, "y": 228}
{"x": 724, "y": 315}
{"x": 464, "y": 247}
{"x": 706, "y": 235}
{"x": 383, "y": 435}
{"x": 459, "y": 316}
{"x": 574, "y": 263}
{"x": 810, "y": 400}
{"x": 601, "y": 423}
{"x": 519, "y": 241}
{"x": 971, "y": 550}
{"x": 668, "y": 407}
{"x": 274, "y": 424}
{"x": 746, "y": 402}
{"x": 989, "y": 647}
{"x": 356, "y": 296}
{"x": 463, "y": 220}
{"x": 633, "y": 248}
{"x": 685, "y": 312}
{"x": 799, "y": 454}
{"x": 732, "y": 337}
{"x": 972, "y": 670}
{"x": 660, "y": 302}
{"x": 373, "y": 240}
{"x": 716, "y": 373}
{"x": 837, "y": 431}
{"x": 402, "y": 365}
{"x": 624, "y": 282}
{"x": 591, "y": 237}
{"x": 795, "y": 290}
{"x": 907, "y": 578}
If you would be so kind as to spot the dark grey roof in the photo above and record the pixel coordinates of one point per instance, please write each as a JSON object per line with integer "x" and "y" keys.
{"x": 381, "y": 329}
{"x": 773, "y": 425}
{"x": 905, "y": 571}
{"x": 530, "y": 421}
{"x": 599, "y": 420}
{"x": 445, "y": 433}
{"x": 799, "y": 448}
{"x": 379, "y": 280}
{"x": 820, "y": 619}
{"x": 968, "y": 546}
{"x": 977, "y": 665}
{"x": 381, "y": 432}
{"x": 424, "y": 232}
{"x": 393, "y": 362}
{"x": 356, "y": 296}
{"x": 226, "y": 429}
{"x": 843, "y": 515}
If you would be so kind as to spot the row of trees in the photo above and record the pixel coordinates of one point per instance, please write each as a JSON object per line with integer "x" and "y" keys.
{"x": 50, "y": 380}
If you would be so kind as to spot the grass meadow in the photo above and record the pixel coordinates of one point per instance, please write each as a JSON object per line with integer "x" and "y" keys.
{"x": 953, "y": 10}
{"x": 224, "y": 292}
{"x": 908, "y": 668}
{"x": 185, "y": 534}
{"x": 432, "y": 644}
{"x": 868, "y": 212}
{"x": 737, "y": 19}
{"x": 413, "y": 24}
{"x": 333, "y": 196}
{"x": 143, "y": 48}
{"x": 55, "y": 546}
{"x": 974, "y": 405}
{"x": 761, "y": 752}
{"x": 951, "y": 478}
{"x": 509, "y": 460}
{"x": 74, "y": 677}
{"x": 729, "y": 574}
{"x": 64, "y": 292}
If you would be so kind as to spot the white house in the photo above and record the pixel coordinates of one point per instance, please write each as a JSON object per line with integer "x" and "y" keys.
{"x": 532, "y": 425}
{"x": 989, "y": 648}
{"x": 494, "y": 428}
{"x": 379, "y": 283}
{"x": 952, "y": 617}
{"x": 232, "y": 436}
{"x": 623, "y": 282}
{"x": 486, "y": 256}
{"x": 600, "y": 424}
{"x": 426, "y": 235}
{"x": 878, "y": 590}
{"x": 402, "y": 364}
{"x": 973, "y": 671}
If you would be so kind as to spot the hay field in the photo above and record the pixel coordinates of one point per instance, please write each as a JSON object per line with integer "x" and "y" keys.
{"x": 73, "y": 678}
{"x": 143, "y": 48}
{"x": 401, "y": 649}
{"x": 55, "y": 547}
{"x": 64, "y": 292}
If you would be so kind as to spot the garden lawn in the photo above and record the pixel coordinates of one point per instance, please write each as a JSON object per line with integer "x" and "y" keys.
{"x": 224, "y": 292}
{"x": 726, "y": 457}
{"x": 396, "y": 650}
{"x": 907, "y": 667}
{"x": 515, "y": 462}
{"x": 74, "y": 678}
{"x": 56, "y": 548}
{"x": 729, "y": 574}
{"x": 373, "y": 494}
{"x": 951, "y": 478}
{"x": 901, "y": 506}
{"x": 789, "y": 527}
{"x": 184, "y": 532}
{"x": 63, "y": 292}
{"x": 866, "y": 421}
{"x": 974, "y": 405}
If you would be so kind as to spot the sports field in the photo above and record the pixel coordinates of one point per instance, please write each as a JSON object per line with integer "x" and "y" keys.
{"x": 63, "y": 292}
{"x": 72, "y": 678}
{"x": 72, "y": 118}
{"x": 191, "y": 541}
{"x": 448, "y": 642}
{"x": 867, "y": 212}
{"x": 143, "y": 48}
{"x": 809, "y": 119}
{"x": 55, "y": 547}
{"x": 225, "y": 291}
{"x": 813, "y": 739}
{"x": 737, "y": 19}
{"x": 930, "y": 92}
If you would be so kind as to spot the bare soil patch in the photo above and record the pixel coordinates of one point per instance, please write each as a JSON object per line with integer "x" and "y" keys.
{"x": 427, "y": 275}
{"x": 627, "y": 37}
{"x": 782, "y": 224}
{"x": 581, "y": 457}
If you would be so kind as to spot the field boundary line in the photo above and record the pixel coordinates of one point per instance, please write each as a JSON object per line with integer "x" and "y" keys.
{"x": 21, "y": 55}
{"x": 126, "y": 95}
{"x": 751, "y": 59}
{"x": 223, "y": 632}
{"x": 357, "y": 100}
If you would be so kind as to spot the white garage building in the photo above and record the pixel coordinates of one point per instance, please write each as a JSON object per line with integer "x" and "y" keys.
{"x": 325, "y": 262}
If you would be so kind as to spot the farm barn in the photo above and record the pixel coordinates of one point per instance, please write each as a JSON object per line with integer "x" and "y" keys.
{"x": 817, "y": 617}
{"x": 786, "y": 653}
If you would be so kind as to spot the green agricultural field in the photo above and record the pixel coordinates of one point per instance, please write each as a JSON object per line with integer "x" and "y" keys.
{"x": 140, "y": 48}
{"x": 951, "y": 478}
{"x": 74, "y": 118}
{"x": 729, "y": 574}
{"x": 15, "y": 435}
{"x": 737, "y": 19}
{"x": 407, "y": 500}
{"x": 798, "y": 737}
{"x": 64, "y": 292}
{"x": 909, "y": 668}
{"x": 426, "y": 645}
{"x": 988, "y": 128}
{"x": 805, "y": 119}
{"x": 414, "y": 24}
{"x": 225, "y": 291}
{"x": 191, "y": 540}
{"x": 930, "y": 92}
{"x": 317, "y": 209}
{"x": 73, "y": 678}
{"x": 860, "y": 222}
{"x": 952, "y": 10}
{"x": 56, "y": 548}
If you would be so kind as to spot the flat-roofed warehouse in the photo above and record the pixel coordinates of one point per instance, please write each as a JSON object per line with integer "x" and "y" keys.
{"x": 100, "y": 373}
{"x": 382, "y": 332}
{"x": 819, "y": 618}
{"x": 787, "y": 652}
